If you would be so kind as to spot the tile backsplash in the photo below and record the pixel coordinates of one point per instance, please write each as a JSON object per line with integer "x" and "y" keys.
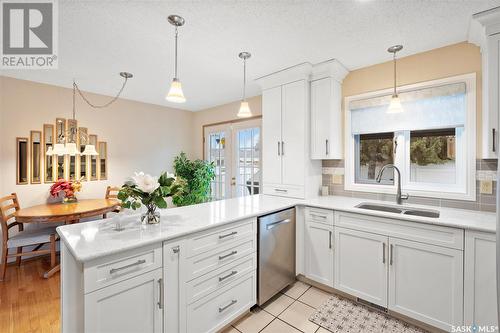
{"x": 484, "y": 202}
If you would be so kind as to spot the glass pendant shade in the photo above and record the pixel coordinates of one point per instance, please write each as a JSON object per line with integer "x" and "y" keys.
{"x": 71, "y": 149}
{"x": 395, "y": 105}
{"x": 244, "y": 111}
{"x": 175, "y": 94}
{"x": 49, "y": 151}
{"x": 90, "y": 151}
{"x": 59, "y": 149}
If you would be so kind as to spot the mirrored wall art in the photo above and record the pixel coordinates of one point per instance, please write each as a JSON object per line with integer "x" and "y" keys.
{"x": 36, "y": 157}
{"x": 48, "y": 143}
{"x": 22, "y": 161}
{"x": 103, "y": 161}
{"x": 93, "y": 159}
{"x": 82, "y": 164}
{"x": 60, "y": 138}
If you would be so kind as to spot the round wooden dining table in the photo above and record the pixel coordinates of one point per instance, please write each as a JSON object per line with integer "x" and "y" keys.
{"x": 67, "y": 213}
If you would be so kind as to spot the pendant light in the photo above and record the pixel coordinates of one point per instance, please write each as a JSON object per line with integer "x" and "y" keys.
{"x": 395, "y": 105}
{"x": 175, "y": 93}
{"x": 244, "y": 111}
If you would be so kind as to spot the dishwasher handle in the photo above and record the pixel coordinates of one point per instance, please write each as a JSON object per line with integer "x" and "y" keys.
{"x": 275, "y": 224}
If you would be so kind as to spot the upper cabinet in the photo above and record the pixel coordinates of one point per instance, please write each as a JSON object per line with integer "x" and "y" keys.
{"x": 485, "y": 32}
{"x": 326, "y": 113}
{"x": 286, "y": 134}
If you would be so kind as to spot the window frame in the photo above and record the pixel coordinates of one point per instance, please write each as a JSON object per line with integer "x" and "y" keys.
{"x": 465, "y": 190}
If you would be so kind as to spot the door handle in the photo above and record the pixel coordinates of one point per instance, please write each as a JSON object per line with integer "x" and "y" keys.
{"x": 283, "y": 148}
{"x": 326, "y": 148}
{"x": 138, "y": 262}
{"x": 493, "y": 134}
{"x": 227, "y": 276}
{"x": 275, "y": 224}
{"x": 383, "y": 252}
{"x": 227, "y": 306}
{"x": 390, "y": 257}
{"x": 176, "y": 249}
{"x": 329, "y": 239}
{"x": 160, "y": 299}
{"x": 228, "y": 235}
{"x": 280, "y": 190}
{"x": 279, "y": 149}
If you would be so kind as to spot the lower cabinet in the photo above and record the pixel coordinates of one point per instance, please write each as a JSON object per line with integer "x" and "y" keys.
{"x": 361, "y": 265}
{"x": 480, "y": 279}
{"x": 426, "y": 282}
{"x": 319, "y": 252}
{"x": 133, "y": 305}
{"x": 173, "y": 293}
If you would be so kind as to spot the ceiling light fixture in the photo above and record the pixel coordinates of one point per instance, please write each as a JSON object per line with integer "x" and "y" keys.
{"x": 395, "y": 105}
{"x": 62, "y": 146}
{"x": 244, "y": 111}
{"x": 175, "y": 93}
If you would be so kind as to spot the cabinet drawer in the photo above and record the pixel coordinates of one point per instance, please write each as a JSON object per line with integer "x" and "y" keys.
{"x": 319, "y": 215}
{"x": 219, "y": 278}
{"x": 419, "y": 232}
{"x": 207, "y": 262}
{"x": 115, "y": 268}
{"x": 206, "y": 241}
{"x": 219, "y": 308}
{"x": 285, "y": 190}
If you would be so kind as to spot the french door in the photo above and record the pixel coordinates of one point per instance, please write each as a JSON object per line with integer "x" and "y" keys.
{"x": 235, "y": 150}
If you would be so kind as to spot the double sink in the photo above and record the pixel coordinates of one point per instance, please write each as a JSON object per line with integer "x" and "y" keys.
{"x": 399, "y": 210}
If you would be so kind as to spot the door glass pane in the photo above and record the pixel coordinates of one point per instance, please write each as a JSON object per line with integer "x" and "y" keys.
{"x": 216, "y": 147}
{"x": 432, "y": 156}
{"x": 248, "y": 161}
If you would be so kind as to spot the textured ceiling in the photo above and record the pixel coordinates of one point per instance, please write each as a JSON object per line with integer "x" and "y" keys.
{"x": 98, "y": 39}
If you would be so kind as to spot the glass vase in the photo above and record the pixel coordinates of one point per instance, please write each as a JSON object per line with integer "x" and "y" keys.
{"x": 151, "y": 216}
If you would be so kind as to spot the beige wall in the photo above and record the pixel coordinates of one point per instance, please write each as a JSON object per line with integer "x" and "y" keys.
{"x": 140, "y": 137}
{"x": 217, "y": 114}
{"x": 452, "y": 60}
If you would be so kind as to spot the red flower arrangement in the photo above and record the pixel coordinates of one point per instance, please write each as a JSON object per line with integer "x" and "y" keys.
{"x": 68, "y": 187}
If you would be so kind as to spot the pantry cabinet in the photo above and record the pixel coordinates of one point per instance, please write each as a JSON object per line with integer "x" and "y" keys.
{"x": 287, "y": 169}
{"x": 326, "y": 113}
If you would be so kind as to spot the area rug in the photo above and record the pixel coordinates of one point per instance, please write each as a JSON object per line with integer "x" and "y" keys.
{"x": 343, "y": 315}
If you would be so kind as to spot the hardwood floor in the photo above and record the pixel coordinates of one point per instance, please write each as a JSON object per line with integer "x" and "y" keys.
{"x": 28, "y": 302}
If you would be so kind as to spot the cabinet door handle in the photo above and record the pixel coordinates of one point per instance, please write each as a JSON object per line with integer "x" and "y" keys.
{"x": 390, "y": 258}
{"x": 138, "y": 262}
{"x": 222, "y": 278}
{"x": 279, "y": 153}
{"x": 280, "y": 190}
{"x": 493, "y": 134}
{"x": 233, "y": 302}
{"x": 228, "y": 235}
{"x": 329, "y": 239}
{"x": 326, "y": 148}
{"x": 232, "y": 253}
{"x": 160, "y": 299}
{"x": 283, "y": 148}
{"x": 176, "y": 249}
{"x": 383, "y": 253}
{"x": 317, "y": 215}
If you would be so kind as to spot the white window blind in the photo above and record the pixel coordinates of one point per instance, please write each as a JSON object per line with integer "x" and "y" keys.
{"x": 429, "y": 108}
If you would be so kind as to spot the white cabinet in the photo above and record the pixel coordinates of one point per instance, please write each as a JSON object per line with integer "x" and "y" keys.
{"x": 485, "y": 32}
{"x": 173, "y": 254}
{"x": 133, "y": 305}
{"x": 361, "y": 265}
{"x": 326, "y": 114}
{"x": 287, "y": 169}
{"x": 319, "y": 252}
{"x": 426, "y": 282}
{"x": 480, "y": 279}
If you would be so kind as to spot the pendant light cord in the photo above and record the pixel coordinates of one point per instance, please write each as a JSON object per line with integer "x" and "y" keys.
{"x": 244, "y": 77}
{"x": 395, "y": 93}
{"x": 176, "y": 37}
{"x": 96, "y": 106}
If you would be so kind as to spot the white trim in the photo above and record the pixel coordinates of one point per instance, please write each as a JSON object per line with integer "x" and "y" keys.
{"x": 468, "y": 175}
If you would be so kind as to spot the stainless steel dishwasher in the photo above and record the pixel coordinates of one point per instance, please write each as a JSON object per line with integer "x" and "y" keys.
{"x": 276, "y": 256}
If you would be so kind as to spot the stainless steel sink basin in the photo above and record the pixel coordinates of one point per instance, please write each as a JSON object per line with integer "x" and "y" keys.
{"x": 399, "y": 210}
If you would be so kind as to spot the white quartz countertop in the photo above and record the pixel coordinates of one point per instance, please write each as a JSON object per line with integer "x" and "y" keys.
{"x": 94, "y": 239}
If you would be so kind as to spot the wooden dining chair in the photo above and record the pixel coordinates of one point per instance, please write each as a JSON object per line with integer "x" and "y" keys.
{"x": 38, "y": 237}
{"x": 112, "y": 193}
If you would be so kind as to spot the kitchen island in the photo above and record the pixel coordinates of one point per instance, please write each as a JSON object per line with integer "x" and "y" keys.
{"x": 179, "y": 276}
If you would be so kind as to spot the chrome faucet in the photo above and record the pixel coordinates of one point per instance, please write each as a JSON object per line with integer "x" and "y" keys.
{"x": 399, "y": 196}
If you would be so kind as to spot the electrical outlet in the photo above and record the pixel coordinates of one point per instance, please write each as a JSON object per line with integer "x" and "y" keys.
{"x": 486, "y": 187}
{"x": 337, "y": 179}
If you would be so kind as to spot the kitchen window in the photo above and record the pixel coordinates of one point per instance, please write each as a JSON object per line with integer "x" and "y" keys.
{"x": 432, "y": 141}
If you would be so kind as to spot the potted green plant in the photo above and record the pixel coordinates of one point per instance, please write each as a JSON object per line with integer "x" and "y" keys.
{"x": 151, "y": 192}
{"x": 198, "y": 175}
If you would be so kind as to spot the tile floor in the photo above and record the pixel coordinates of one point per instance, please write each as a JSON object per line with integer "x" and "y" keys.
{"x": 287, "y": 312}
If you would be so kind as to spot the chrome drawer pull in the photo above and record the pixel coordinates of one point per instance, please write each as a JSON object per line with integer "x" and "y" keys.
{"x": 330, "y": 239}
{"x": 176, "y": 249}
{"x": 233, "y": 302}
{"x": 160, "y": 301}
{"x": 228, "y": 276}
{"x": 317, "y": 215}
{"x": 228, "y": 255}
{"x": 390, "y": 257}
{"x": 383, "y": 253}
{"x": 227, "y": 235}
{"x": 280, "y": 190}
{"x": 138, "y": 262}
